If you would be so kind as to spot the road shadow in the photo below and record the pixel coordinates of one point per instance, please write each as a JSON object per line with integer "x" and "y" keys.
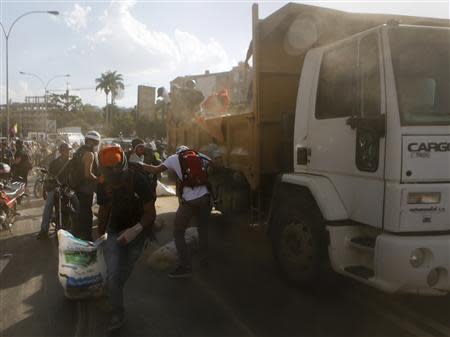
{"x": 30, "y": 281}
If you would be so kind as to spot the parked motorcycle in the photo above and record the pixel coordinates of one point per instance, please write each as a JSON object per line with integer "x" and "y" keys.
{"x": 11, "y": 194}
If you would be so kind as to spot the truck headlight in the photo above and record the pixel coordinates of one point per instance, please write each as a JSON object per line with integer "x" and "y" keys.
{"x": 417, "y": 257}
{"x": 424, "y": 198}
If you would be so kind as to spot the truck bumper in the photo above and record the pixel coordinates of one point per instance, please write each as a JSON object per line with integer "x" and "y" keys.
{"x": 412, "y": 264}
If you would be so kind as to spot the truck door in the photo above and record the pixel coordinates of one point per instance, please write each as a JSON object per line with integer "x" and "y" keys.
{"x": 346, "y": 132}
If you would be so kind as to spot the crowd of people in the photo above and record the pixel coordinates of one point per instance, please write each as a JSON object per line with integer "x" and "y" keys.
{"x": 125, "y": 186}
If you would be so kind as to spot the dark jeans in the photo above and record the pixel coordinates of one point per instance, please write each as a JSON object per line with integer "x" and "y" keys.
{"x": 83, "y": 226}
{"x": 120, "y": 261}
{"x": 201, "y": 209}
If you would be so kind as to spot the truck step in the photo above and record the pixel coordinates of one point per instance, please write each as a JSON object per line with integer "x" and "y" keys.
{"x": 363, "y": 242}
{"x": 360, "y": 271}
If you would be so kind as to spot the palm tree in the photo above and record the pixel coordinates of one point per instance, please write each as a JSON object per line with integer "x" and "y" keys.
{"x": 116, "y": 81}
{"x": 103, "y": 84}
{"x": 110, "y": 82}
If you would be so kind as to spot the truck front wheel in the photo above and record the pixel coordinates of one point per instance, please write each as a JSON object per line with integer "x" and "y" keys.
{"x": 299, "y": 246}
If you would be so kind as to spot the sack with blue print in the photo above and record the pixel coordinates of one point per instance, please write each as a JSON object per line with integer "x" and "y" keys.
{"x": 82, "y": 268}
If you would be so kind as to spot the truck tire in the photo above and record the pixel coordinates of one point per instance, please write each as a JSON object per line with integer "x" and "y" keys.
{"x": 299, "y": 241}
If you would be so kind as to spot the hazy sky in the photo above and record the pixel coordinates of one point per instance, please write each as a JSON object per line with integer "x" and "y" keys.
{"x": 148, "y": 42}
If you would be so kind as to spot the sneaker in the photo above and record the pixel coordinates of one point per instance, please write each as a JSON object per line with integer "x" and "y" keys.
{"x": 42, "y": 236}
{"x": 116, "y": 321}
{"x": 181, "y": 272}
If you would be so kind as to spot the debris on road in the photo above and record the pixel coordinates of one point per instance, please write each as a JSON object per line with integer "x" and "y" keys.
{"x": 165, "y": 257}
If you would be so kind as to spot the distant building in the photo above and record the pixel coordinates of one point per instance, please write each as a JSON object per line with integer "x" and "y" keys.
{"x": 146, "y": 102}
{"x": 30, "y": 116}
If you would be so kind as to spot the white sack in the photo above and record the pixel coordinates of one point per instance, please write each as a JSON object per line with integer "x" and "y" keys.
{"x": 164, "y": 190}
{"x": 165, "y": 257}
{"x": 82, "y": 268}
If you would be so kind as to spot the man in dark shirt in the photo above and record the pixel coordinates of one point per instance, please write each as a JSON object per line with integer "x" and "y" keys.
{"x": 22, "y": 162}
{"x": 126, "y": 213}
{"x": 6, "y": 155}
{"x": 57, "y": 168}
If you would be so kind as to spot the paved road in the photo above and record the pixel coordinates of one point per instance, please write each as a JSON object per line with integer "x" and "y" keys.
{"x": 240, "y": 294}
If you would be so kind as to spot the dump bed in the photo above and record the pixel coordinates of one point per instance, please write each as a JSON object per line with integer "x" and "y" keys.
{"x": 259, "y": 144}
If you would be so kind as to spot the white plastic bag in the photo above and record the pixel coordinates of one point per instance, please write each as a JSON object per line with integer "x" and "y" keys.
{"x": 164, "y": 190}
{"x": 82, "y": 268}
{"x": 165, "y": 257}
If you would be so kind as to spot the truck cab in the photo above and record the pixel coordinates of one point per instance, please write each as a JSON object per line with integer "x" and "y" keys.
{"x": 372, "y": 161}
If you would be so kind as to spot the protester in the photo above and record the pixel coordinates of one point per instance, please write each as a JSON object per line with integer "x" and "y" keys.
{"x": 127, "y": 212}
{"x": 87, "y": 167}
{"x": 45, "y": 155}
{"x": 134, "y": 143}
{"x": 6, "y": 155}
{"x": 194, "y": 202}
{"x": 22, "y": 162}
{"x": 57, "y": 169}
{"x": 141, "y": 160}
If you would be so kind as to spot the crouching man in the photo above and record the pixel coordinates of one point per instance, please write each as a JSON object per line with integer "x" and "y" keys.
{"x": 194, "y": 201}
{"x": 126, "y": 213}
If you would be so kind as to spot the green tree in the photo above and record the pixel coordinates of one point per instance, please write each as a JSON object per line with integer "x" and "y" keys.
{"x": 103, "y": 84}
{"x": 116, "y": 81}
{"x": 110, "y": 82}
{"x": 66, "y": 102}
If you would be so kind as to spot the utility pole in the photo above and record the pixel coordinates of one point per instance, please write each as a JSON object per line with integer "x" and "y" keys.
{"x": 7, "y": 35}
{"x": 45, "y": 85}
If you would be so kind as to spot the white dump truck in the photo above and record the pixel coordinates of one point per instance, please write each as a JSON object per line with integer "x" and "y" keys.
{"x": 347, "y": 147}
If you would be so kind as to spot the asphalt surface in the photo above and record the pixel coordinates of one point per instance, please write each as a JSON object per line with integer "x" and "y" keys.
{"x": 240, "y": 294}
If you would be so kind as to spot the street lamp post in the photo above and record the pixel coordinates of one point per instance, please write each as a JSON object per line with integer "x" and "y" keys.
{"x": 45, "y": 85}
{"x": 7, "y": 34}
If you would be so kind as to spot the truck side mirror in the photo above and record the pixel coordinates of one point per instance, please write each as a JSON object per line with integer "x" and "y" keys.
{"x": 375, "y": 124}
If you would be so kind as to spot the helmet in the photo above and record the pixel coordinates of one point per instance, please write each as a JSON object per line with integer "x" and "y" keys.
{"x": 181, "y": 149}
{"x": 140, "y": 149}
{"x": 64, "y": 146}
{"x": 111, "y": 156}
{"x": 94, "y": 135}
{"x": 136, "y": 142}
{"x": 19, "y": 142}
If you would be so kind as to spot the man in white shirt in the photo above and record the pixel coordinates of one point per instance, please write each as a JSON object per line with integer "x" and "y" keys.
{"x": 194, "y": 202}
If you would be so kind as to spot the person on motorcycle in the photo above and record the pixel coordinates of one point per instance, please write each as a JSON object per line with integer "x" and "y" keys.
{"x": 56, "y": 169}
{"x": 22, "y": 162}
{"x": 6, "y": 155}
{"x": 127, "y": 212}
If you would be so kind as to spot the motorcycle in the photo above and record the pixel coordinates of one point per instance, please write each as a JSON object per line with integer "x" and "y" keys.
{"x": 66, "y": 203}
{"x": 11, "y": 194}
{"x": 38, "y": 189}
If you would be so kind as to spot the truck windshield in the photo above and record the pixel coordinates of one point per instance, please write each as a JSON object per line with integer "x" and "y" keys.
{"x": 421, "y": 59}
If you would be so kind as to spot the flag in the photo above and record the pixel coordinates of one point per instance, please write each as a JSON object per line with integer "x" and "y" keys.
{"x": 13, "y": 130}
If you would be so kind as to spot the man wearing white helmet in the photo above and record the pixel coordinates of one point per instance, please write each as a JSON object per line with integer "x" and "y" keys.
{"x": 86, "y": 163}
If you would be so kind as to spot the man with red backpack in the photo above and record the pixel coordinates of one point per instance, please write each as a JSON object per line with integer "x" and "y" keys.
{"x": 190, "y": 168}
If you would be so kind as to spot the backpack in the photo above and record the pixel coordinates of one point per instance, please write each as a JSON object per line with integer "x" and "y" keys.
{"x": 128, "y": 208}
{"x": 193, "y": 170}
{"x": 75, "y": 170}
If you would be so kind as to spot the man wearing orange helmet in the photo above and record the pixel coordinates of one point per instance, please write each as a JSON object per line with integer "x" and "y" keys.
{"x": 127, "y": 213}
